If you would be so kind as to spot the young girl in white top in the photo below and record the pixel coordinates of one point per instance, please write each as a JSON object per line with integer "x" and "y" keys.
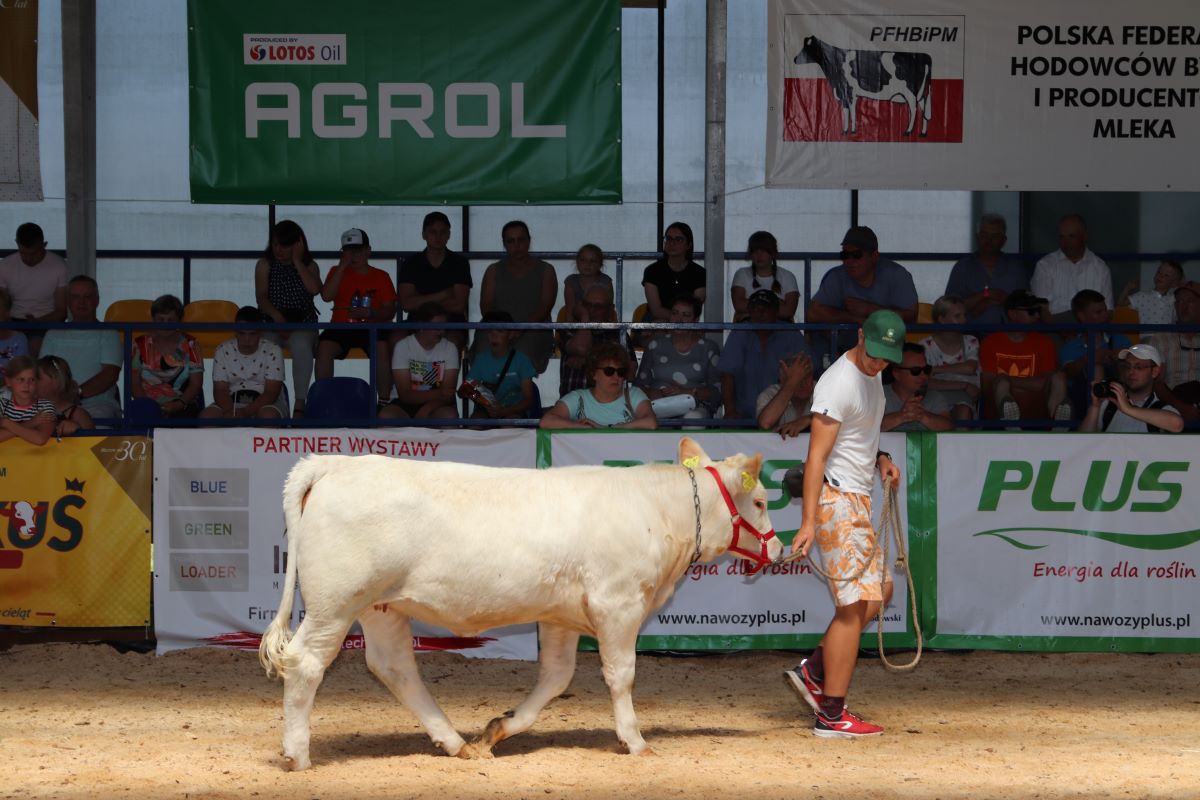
{"x": 954, "y": 357}
{"x": 763, "y": 273}
{"x": 589, "y": 266}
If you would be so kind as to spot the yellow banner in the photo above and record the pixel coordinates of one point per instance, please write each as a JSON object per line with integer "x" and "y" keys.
{"x": 75, "y": 532}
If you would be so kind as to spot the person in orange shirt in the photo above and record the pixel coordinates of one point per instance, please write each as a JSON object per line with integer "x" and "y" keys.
{"x": 359, "y": 293}
{"x": 1023, "y": 361}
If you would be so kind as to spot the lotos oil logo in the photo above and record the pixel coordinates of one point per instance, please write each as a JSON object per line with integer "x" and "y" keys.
{"x": 29, "y": 523}
{"x": 1107, "y": 487}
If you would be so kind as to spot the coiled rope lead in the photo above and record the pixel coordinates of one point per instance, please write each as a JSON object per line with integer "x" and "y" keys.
{"x": 888, "y": 519}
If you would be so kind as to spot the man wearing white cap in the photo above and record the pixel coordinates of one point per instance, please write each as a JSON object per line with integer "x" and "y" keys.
{"x": 1129, "y": 404}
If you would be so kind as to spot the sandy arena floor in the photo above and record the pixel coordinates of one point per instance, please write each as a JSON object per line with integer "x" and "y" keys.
{"x": 84, "y": 721}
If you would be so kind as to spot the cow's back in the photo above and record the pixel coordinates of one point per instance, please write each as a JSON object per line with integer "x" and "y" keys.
{"x": 472, "y": 547}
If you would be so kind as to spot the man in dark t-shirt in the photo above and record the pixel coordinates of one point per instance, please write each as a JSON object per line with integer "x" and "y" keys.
{"x": 436, "y": 275}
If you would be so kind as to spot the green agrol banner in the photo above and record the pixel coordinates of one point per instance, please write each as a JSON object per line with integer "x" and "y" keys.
{"x": 420, "y": 102}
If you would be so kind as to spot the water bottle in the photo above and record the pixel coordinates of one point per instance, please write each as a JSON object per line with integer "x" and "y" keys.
{"x": 366, "y": 302}
{"x": 356, "y": 300}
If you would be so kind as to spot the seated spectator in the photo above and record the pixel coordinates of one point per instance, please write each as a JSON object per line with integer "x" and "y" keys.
{"x": 909, "y": 403}
{"x": 22, "y": 414}
{"x": 863, "y": 284}
{"x": 96, "y": 356}
{"x": 1060, "y": 275}
{"x": 424, "y": 371}
{"x": 589, "y": 266}
{"x": 1155, "y": 306}
{"x": 1179, "y": 378}
{"x": 764, "y": 273}
{"x": 55, "y": 383}
{"x": 1129, "y": 404}
{"x": 750, "y": 361}
{"x": 984, "y": 278}
{"x": 673, "y": 275}
{"x": 359, "y": 293}
{"x": 786, "y": 407}
{"x": 679, "y": 369}
{"x": 1089, "y": 308}
{"x": 286, "y": 279}
{"x": 954, "y": 357}
{"x": 609, "y": 402}
{"x": 37, "y": 281}
{"x": 597, "y": 306}
{"x": 1023, "y": 364}
{"x": 168, "y": 366}
{"x": 12, "y": 343}
{"x": 524, "y": 287}
{"x": 504, "y": 372}
{"x": 435, "y": 275}
{"x": 248, "y": 375}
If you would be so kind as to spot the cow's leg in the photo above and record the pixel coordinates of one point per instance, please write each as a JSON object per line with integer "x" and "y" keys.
{"x": 311, "y": 650}
{"x": 618, "y": 642}
{"x": 911, "y": 102}
{"x": 848, "y": 120}
{"x": 555, "y": 669}
{"x": 388, "y": 636}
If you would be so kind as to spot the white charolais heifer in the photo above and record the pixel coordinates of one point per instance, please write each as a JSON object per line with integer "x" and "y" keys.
{"x": 580, "y": 550}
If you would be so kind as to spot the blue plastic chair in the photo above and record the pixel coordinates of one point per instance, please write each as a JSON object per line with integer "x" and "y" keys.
{"x": 340, "y": 398}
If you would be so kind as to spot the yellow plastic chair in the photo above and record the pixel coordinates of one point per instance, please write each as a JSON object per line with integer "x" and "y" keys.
{"x": 133, "y": 310}
{"x": 1125, "y": 315}
{"x": 641, "y": 337}
{"x": 924, "y": 316}
{"x": 210, "y": 311}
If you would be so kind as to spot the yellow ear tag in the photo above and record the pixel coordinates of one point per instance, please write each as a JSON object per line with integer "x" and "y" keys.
{"x": 692, "y": 462}
{"x": 748, "y": 481}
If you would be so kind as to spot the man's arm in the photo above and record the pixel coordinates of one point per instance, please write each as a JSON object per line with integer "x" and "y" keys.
{"x": 822, "y": 434}
{"x": 101, "y": 382}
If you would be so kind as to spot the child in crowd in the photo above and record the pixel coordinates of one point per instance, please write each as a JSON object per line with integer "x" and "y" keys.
{"x": 23, "y": 415}
{"x": 954, "y": 357}
{"x": 763, "y": 273}
{"x": 424, "y": 371}
{"x": 56, "y": 384}
{"x": 1155, "y": 306}
{"x": 12, "y": 343}
{"x": 589, "y": 263}
{"x": 247, "y": 375}
{"x": 506, "y": 373}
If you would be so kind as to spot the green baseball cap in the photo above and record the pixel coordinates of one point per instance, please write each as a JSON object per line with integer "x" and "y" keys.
{"x": 883, "y": 333}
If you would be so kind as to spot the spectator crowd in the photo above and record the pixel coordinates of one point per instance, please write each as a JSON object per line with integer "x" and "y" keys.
{"x": 1000, "y": 352}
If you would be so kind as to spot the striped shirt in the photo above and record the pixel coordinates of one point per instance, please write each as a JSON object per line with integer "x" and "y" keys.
{"x": 19, "y": 413}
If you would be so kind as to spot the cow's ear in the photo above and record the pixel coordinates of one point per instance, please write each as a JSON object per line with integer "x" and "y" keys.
{"x": 751, "y": 467}
{"x": 691, "y": 454}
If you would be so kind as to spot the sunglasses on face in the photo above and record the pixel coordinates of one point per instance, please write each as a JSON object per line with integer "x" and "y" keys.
{"x": 915, "y": 371}
{"x": 848, "y": 255}
{"x": 620, "y": 372}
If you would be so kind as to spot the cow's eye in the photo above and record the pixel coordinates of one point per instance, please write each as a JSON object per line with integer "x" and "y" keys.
{"x": 761, "y": 505}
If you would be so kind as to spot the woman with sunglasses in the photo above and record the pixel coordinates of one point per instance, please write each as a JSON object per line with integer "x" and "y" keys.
{"x": 56, "y": 384}
{"x": 672, "y": 275}
{"x": 609, "y": 401}
{"x": 909, "y": 405}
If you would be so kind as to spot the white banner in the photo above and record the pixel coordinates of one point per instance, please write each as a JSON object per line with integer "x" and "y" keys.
{"x": 220, "y": 547}
{"x": 1090, "y": 95}
{"x": 717, "y": 605}
{"x": 1088, "y": 535}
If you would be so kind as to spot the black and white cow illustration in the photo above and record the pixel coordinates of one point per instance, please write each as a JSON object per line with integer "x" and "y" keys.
{"x": 901, "y": 77}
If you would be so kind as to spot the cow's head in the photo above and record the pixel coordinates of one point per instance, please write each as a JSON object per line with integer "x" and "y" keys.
{"x": 745, "y": 500}
{"x": 810, "y": 52}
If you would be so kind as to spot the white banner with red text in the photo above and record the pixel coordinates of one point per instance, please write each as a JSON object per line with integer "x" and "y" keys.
{"x": 220, "y": 547}
{"x": 717, "y": 606}
{"x": 1080, "y": 542}
{"x": 978, "y": 95}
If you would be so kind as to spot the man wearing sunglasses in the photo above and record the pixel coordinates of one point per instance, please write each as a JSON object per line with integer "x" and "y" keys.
{"x": 909, "y": 403}
{"x": 862, "y": 285}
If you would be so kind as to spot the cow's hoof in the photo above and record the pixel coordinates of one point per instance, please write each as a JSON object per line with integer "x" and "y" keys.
{"x": 649, "y": 751}
{"x": 472, "y": 751}
{"x": 293, "y": 764}
{"x": 493, "y": 733}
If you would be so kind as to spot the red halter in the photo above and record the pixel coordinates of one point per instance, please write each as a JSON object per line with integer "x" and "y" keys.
{"x": 760, "y": 558}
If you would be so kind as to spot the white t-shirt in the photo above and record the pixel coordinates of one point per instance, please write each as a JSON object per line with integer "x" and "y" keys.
{"x": 426, "y": 368}
{"x": 936, "y": 357}
{"x": 744, "y": 278}
{"x": 242, "y": 371}
{"x": 1154, "y": 308}
{"x": 855, "y": 400}
{"x": 33, "y": 288}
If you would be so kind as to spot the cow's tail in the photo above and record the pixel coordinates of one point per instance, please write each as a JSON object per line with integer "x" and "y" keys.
{"x": 272, "y": 650}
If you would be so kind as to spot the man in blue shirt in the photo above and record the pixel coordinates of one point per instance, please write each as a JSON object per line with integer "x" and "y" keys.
{"x": 984, "y": 279}
{"x": 750, "y": 361}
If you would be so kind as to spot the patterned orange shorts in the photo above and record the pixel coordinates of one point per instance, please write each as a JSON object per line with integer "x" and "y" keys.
{"x": 846, "y": 540}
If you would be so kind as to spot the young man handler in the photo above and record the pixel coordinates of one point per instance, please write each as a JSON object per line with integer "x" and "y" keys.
{"x": 843, "y": 453}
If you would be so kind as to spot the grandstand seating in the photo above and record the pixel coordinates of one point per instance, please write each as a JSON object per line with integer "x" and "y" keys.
{"x": 340, "y": 397}
{"x": 210, "y": 311}
{"x": 1124, "y": 315}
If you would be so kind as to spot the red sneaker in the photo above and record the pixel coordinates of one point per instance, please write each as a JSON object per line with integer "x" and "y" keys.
{"x": 805, "y": 686}
{"x": 847, "y": 726}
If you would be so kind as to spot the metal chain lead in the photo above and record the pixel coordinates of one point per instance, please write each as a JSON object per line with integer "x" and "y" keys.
{"x": 696, "y": 503}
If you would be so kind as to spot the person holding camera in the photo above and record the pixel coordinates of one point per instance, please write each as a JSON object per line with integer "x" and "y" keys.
{"x": 1129, "y": 404}
{"x": 909, "y": 403}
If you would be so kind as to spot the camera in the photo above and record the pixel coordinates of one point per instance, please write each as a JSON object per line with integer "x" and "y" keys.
{"x": 1103, "y": 389}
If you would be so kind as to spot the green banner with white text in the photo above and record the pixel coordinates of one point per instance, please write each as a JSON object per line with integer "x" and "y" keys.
{"x": 456, "y": 101}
